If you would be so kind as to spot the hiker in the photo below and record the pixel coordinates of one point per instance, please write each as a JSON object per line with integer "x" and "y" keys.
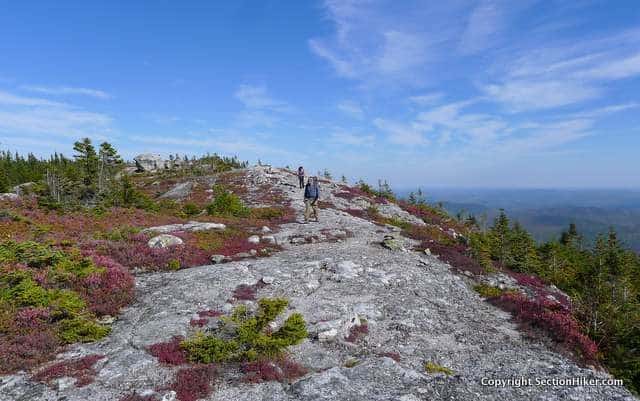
{"x": 311, "y": 194}
{"x": 301, "y": 176}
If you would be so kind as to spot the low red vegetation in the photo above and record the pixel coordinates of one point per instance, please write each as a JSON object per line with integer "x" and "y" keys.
{"x": 198, "y": 322}
{"x": 551, "y": 318}
{"x": 281, "y": 370}
{"x": 169, "y": 352}
{"x": 457, "y": 255}
{"x": 357, "y": 331}
{"x": 109, "y": 291}
{"x": 210, "y": 313}
{"x": 194, "y": 382}
{"x": 246, "y": 292}
{"x": 393, "y": 355}
{"x": 81, "y": 369}
{"x": 135, "y": 253}
{"x": 28, "y": 349}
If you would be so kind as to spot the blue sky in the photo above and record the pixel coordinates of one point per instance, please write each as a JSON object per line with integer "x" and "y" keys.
{"x": 421, "y": 93}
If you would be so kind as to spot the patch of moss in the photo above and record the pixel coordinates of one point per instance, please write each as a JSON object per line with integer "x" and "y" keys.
{"x": 432, "y": 367}
{"x": 245, "y": 336}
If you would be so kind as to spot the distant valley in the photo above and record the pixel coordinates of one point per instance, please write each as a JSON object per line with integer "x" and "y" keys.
{"x": 546, "y": 212}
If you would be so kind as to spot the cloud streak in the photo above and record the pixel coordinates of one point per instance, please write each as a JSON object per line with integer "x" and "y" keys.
{"x": 67, "y": 90}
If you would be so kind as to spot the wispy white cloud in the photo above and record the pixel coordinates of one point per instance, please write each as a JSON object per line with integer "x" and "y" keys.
{"x": 399, "y": 133}
{"x": 229, "y": 141}
{"x": 7, "y": 98}
{"x": 426, "y": 99}
{"x": 351, "y": 108}
{"x": 520, "y": 95}
{"x": 67, "y": 90}
{"x": 484, "y": 23}
{"x": 349, "y": 138}
{"x": 36, "y": 117}
{"x": 614, "y": 69}
{"x": 257, "y": 97}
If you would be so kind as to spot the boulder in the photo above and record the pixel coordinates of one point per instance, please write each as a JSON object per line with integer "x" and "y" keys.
{"x": 149, "y": 162}
{"x": 179, "y": 191}
{"x": 347, "y": 269}
{"x": 254, "y": 239}
{"x": 164, "y": 241}
{"x": 217, "y": 259}
{"x": 390, "y": 242}
{"x": 269, "y": 239}
{"x": 24, "y": 189}
{"x": 190, "y": 226}
{"x": 327, "y": 336}
{"x": 9, "y": 197}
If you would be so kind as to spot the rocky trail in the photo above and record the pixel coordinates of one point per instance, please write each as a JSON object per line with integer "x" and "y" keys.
{"x": 336, "y": 273}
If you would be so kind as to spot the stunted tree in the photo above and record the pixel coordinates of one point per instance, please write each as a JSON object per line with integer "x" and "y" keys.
{"x": 499, "y": 237}
{"x": 109, "y": 160}
{"x": 87, "y": 160}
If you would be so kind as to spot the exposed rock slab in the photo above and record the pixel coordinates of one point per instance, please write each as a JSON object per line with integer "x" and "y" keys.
{"x": 413, "y": 305}
{"x": 190, "y": 226}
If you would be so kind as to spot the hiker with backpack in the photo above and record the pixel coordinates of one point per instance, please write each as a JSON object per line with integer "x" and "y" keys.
{"x": 311, "y": 195}
{"x": 301, "y": 176}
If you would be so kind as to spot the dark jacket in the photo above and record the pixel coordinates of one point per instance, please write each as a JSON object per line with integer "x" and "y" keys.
{"x": 311, "y": 191}
{"x": 300, "y": 172}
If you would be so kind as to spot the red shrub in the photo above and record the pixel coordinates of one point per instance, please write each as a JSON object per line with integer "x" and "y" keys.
{"x": 31, "y": 318}
{"x": 81, "y": 369}
{"x": 210, "y": 313}
{"x": 393, "y": 355}
{"x": 356, "y": 332}
{"x": 558, "y": 324}
{"x": 281, "y": 370}
{"x": 246, "y": 292}
{"x": 357, "y": 213}
{"x": 198, "y": 322}
{"x": 456, "y": 255}
{"x": 135, "y": 253}
{"x": 194, "y": 382}
{"x": 169, "y": 352}
{"x": 108, "y": 291}
{"x": 527, "y": 280}
{"x": 25, "y": 351}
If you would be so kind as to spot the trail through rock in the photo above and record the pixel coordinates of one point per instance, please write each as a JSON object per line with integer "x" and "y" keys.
{"x": 416, "y": 311}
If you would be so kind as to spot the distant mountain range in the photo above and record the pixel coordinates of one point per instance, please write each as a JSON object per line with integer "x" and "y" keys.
{"x": 546, "y": 212}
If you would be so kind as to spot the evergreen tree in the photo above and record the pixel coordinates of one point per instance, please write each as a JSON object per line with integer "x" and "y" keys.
{"x": 109, "y": 160}
{"x": 523, "y": 255}
{"x": 87, "y": 160}
{"x": 499, "y": 236}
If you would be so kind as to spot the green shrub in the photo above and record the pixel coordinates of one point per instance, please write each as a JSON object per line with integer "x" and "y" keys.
{"x": 190, "y": 209}
{"x": 394, "y": 221}
{"x": 173, "y": 264}
{"x": 487, "y": 291}
{"x": 226, "y": 204}
{"x": 118, "y": 234}
{"x": 432, "y": 367}
{"x": 30, "y": 253}
{"x": 81, "y": 329}
{"x": 244, "y": 336}
{"x": 267, "y": 213}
